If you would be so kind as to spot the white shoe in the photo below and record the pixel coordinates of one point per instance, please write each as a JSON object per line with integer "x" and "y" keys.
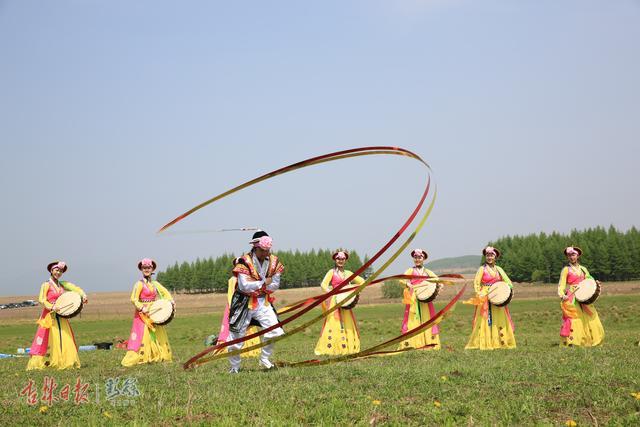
{"x": 234, "y": 370}
{"x": 267, "y": 365}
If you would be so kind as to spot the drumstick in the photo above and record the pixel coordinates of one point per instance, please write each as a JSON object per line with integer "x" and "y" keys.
{"x": 434, "y": 280}
{"x": 221, "y": 230}
{"x": 64, "y": 306}
{"x": 157, "y": 309}
{"x": 420, "y": 285}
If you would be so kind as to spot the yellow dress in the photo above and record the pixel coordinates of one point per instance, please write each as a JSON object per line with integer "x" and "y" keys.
{"x": 492, "y": 326}
{"x": 339, "y": 335}
{"x": 581, "y": 324}
{"x": 418, "y": 312}
{"x": 54, "y": 345}
{"x": 147, "y": 342}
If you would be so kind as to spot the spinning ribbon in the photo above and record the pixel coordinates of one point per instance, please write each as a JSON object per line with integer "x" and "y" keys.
{"x": 205, "y": 356}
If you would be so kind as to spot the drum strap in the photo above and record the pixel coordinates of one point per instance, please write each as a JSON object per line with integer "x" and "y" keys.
{"x": 59, "y": 332}
{"x": 435, "y": 329}
{"x": 152, "y": 335}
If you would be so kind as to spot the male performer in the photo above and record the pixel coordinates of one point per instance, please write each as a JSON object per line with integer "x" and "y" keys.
{"x": 258, "y": 276}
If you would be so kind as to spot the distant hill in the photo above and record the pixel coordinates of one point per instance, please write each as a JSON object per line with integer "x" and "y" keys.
{"x": 461, "y": 264}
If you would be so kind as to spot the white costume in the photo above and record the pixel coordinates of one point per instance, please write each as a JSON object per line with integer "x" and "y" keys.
{"x": 251, "y": 282}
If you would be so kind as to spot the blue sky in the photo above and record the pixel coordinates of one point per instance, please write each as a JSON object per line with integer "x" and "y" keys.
{"x": 117, "y": 116}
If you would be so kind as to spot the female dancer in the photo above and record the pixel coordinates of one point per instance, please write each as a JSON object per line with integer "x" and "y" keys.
{"x": 339, "y": 333}
{"x": 417, "y": 312}
{"x": 492, "y": 325}
{"x": 54, "y": 344}
{"x": 148, "y": 342}
{"x": 580, "y": 322}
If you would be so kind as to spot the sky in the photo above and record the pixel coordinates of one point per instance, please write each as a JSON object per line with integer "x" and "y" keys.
{"x": 115, "y": 117}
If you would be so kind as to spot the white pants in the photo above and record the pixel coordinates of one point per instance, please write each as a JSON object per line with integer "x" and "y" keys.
{"x": 266, "y": 317}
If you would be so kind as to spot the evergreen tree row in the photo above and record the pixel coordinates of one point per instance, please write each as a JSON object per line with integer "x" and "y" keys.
{"x": 608, "y": 254}
{"x": 302, "y": 269}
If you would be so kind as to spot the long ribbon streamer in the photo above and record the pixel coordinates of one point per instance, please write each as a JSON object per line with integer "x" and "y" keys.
{"x": 319, "y": 362}
{"x": 385, "y": 150}
{"x": 355, "y": 152}
{"x": 202, "y": 357}
{"x": 220, "y": 230}
{"x": 375, "y": 349}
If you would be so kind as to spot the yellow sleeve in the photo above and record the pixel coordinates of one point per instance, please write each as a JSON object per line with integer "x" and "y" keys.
{"x": 562, "y": 284}
{"x": 326, "y": 281}
{"x": 135, "y": 295}
{"x": 504, "y": 277}
{"x": 163, "y": 291}
{"x": 43, "y": 296}
{"x": 231, "y": 288}
{"x": 587, "y": 275}
{"x": 68, "y": 286}
{"x": 431, "y": 273}
{"x": 477, "y": 281}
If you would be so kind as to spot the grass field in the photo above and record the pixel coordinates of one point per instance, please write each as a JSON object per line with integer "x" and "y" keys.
{"x": 537, "y": 383}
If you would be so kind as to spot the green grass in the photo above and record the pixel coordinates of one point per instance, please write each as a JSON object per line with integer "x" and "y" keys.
{"x": 537, "y": 383}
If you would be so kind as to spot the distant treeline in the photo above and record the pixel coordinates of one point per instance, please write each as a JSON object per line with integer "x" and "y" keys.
{"x": 302, "y": 269}
{"x": 608, "y": 254}
{"x": 466, "y": 263}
